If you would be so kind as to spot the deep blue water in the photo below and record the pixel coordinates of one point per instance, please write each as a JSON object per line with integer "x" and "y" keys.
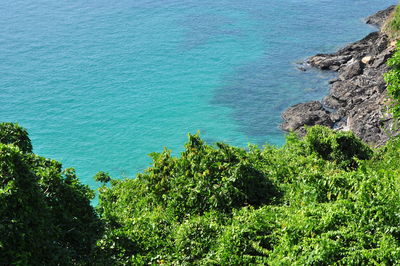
{"x": 101, "y": 84}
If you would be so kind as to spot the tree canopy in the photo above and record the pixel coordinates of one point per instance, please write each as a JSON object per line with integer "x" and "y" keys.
{"x": 324, "y": 199}
{"x": 45, "y": 212}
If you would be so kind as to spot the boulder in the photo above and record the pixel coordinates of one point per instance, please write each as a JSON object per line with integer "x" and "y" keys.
{"x": 305, "y": 114}
{"x": 366, "y": 59}
{"x": 352, "y": 69}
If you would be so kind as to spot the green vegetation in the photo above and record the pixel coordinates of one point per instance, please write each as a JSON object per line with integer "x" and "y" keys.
{"x": 392, "y": 78}
{"x": 14, "y": 134}
{"x": 324, "y": 199}
{"x": 45, "y": 213}
{"x": 392, "y": 26}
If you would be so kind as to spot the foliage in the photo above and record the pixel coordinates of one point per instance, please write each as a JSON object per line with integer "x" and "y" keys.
{"x": 102, "y": 177}
{"x": 195, "y": 237}
{"x": 392, "y": 78}
{"x": 223, "y": 175}
{"x": 203, "y": 179}
{"x": 45, "y": 213}
{"x": 338, "y": 203}
{"x": 340, "y": 147}
{"x": 11, "y": 133}
{"x": 326, "y": 199}
{"x": 26, "y": 237}
{"x": 392, "y": 25}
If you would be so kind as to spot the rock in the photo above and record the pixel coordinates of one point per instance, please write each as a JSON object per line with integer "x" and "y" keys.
{"x": 365, "y": 121}
{"x": 335, "y": 117}
{"x": 333, "y": 80}
{"x": 380, "y": 17}
{"x": 309, "y": 114}
{"x": 352, "y": 69}
{"x": 328, "y": 62}
{"x": 357, "y": 95}
{"x": 383, "y": 57}
{"x": 334, "y": 102}
{"x": 373, "y": 44}
{"x": 366, "y": 59}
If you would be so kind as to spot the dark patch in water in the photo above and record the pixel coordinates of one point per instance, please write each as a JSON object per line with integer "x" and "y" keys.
{"x": 258, "y": 92}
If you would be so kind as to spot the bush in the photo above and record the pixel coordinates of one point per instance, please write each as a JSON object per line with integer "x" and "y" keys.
{"x": 341, "y": 147}
{"x": 195, "y": 238}
{"x": 205, "y": 178}
{"x": 45, "y": 213}
{"x": 11, "y": 133}
{"x": 392, "y": 25}
{"x": 26, "y": 230}
{"x": 322, "y": 200}
{"x": 392, "y": 78}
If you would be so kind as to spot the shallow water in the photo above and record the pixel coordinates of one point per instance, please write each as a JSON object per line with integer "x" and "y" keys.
{"x": 99, "y": 85}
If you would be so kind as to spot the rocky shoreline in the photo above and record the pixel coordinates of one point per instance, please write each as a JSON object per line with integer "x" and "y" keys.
{"x": 356, "y": 100}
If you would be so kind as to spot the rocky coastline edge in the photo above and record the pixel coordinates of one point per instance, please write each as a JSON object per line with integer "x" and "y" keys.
{"x": 357, "y": 99}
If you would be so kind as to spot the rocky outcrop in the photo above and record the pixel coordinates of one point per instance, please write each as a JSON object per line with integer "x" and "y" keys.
{"x": 356, "y": 100}
{"x": 380, "y": 17}
{"x": 305, "y": 114}
{"x": 372, "y": 45}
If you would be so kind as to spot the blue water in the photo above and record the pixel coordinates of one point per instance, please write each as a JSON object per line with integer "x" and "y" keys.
{"x": 100, "y": 84}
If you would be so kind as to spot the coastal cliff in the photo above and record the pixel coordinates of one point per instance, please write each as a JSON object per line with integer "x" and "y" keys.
{"x": 357, "y": 97}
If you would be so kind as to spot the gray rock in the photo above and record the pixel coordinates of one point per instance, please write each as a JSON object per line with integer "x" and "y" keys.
{"x": 328, "y": 62}
{"x": 352, "y": 69}
{"x": 380, "y": 17}
{"x": 305, "y": 114}
{"x": 357, "y": 95}
{"x": 372, "y": 45}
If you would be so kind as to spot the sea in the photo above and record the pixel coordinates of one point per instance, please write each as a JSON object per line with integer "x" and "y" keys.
{"x": 101, "y": 84}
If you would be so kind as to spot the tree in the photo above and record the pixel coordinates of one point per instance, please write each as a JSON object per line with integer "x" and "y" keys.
{"x": 45, "y": 212}
{"x": 12, "y": 133}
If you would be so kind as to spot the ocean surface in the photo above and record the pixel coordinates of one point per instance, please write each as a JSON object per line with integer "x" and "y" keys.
{"x": 101, "y": 84}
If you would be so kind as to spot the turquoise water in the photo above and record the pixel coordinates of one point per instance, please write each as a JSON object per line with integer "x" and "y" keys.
{"x": 101, "y": 84}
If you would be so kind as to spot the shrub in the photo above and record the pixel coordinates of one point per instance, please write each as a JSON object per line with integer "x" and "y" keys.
{"x": 45, "y": 213}
{"x": 392, "y": 78}
{"x": 392, "y": 25}
{"x": 205, "y": 178}
{"x": 343, "y": 148}
{"x": 338, "y": 203}
{"x": 11, "y": 133}
{"x": 195, "y": 238}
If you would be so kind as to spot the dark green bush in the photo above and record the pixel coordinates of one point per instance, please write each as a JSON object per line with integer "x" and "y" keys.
{"x": 45, "y": 213}
{"x": 26, "y": 230}
{"x": 341, "y": 147}
{"x": 205, "y": 178}
{"x": 195, "y": 238}
{"x": 102, "y": 177}
{"x": 392, "y": 77}
{"x": 11, "y": 133}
